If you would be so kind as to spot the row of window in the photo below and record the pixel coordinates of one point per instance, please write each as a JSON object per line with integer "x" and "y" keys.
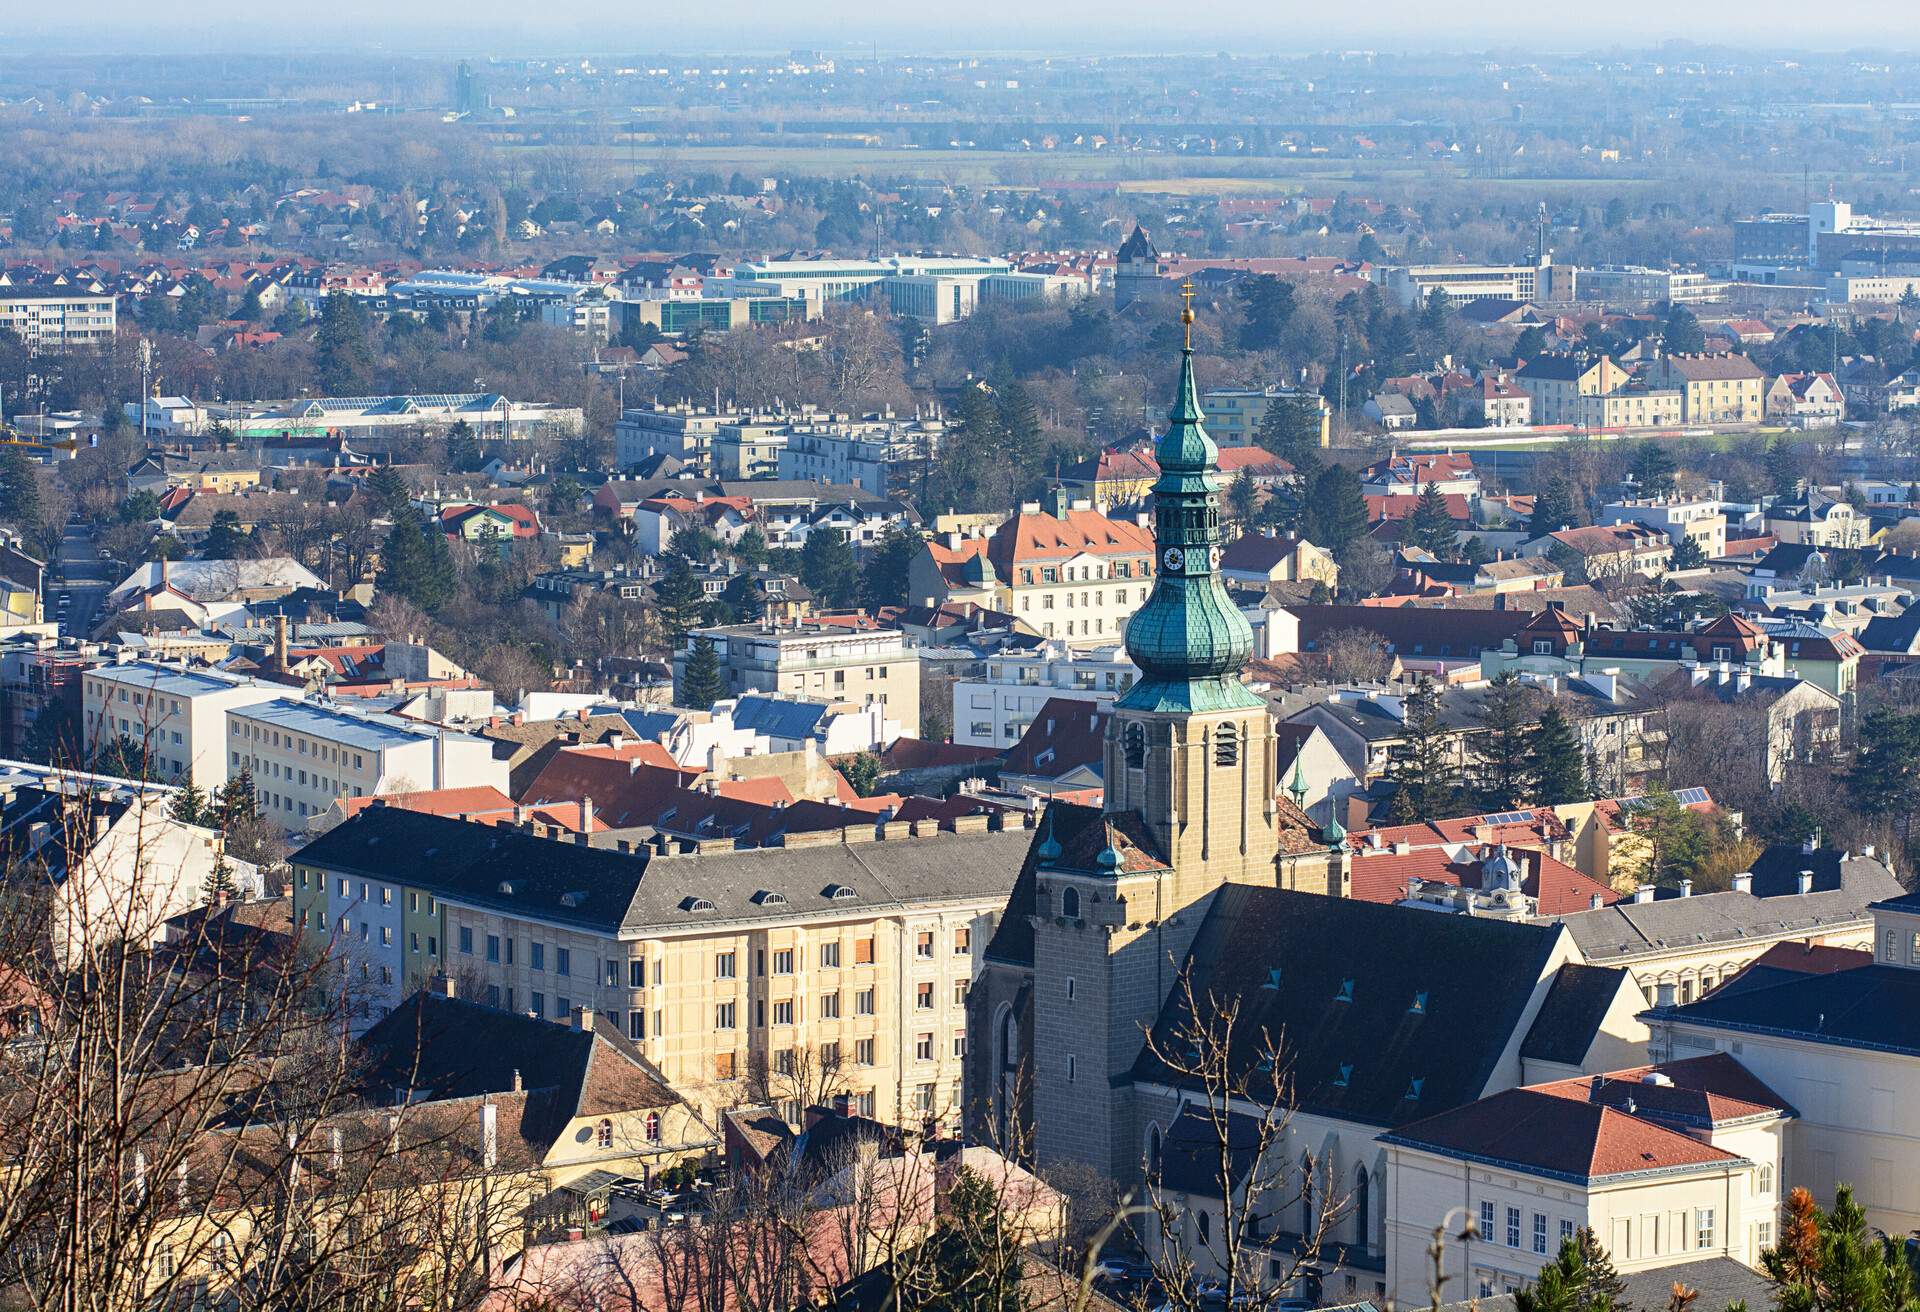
{"x": 1514, "y": 1230}
{"x": 865, "y": 1003}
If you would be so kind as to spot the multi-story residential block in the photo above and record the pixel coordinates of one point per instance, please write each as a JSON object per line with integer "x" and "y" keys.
{"x": 178, "y": 715}
{"x": 877, "y": 456}
{"x": 1806, "y": 400}
{"x": 1076, "y": 576}
{"x": 303, "y": 755}
{"x": 1409, "y": 474}
{"x": 782, "y": 974}
{"x": 1725, "y": 388}
{"x": 1497, "y": 400}
{"x": 1630, "y": 284}
{"x": 820, "y": 661}
{"x": 1119, "y": 479}
{"x": 1664, "y": 1164}
{"x": 1557, "y": 382}
{"x": 683, "y": 432}
{"x": 56, "y": 318}
{"x": 1237, "y": 412}
{"x": 1695, "y": 519}
{"x": 1631, "y": 406}
{"x": 1812, "y": 518}
{"x": 994, "y": 707}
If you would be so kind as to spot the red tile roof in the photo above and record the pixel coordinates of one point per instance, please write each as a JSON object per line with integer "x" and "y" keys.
{"x": 1556, "y": 887}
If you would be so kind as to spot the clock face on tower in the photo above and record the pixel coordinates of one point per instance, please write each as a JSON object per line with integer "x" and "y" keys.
{"x": 1174, "y": 557}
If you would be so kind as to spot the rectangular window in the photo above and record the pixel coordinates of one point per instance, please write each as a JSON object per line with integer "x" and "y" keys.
{"x": 829, "y": 1056}
{"x": 433, "y": 946}
{"x": 863, "y": 1052}
{"x": 960, "y": 993}
{"x": 1566, "y": 1231}
{"x": 1703, "y": 1227}
{"x": 613, "y": 973}
{"x": 783, "y": 961}
{"x": 1513, "y": 1227}
{"x": 1539, "y": 1232}
{"x": 537, "y": 1003}
{"x": 829, "y": 1006}
{"x": 509, "y": 947}
{"x": 830, "y": 955}
{"x": 962, "y": 941}
{"x": 722, "y": 1065}
{"x": 923, "y": 944}
{"x": 863, "y": 1003}
{"x": 923, "y": 1098}
{"x": 466, "y": 940}
{"x": 563, "y": 1006}
{"x": 863, "y": 952}
{"x": 537, "y": 955}
{"x": 386, "y": 936}
{"x": 636, "y": 974}
{"x": 562, "y": 961}
{"x": 923, "y": 1047}
{"x": 724, "y": 965}
{"x": 723, "y": 1016}
{"x": 493, "y": 947}
{"x": 783, "y": 1012}
{"x": 923, "y": 997}
{"x": 636, "y": 1024}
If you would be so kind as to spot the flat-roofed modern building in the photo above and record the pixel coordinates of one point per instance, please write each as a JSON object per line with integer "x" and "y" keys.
{"x": 819, "y": 661}
{"x": 178, "y": 715}
{"x": 57, "y": 318}
{"x": 303, "y": 755}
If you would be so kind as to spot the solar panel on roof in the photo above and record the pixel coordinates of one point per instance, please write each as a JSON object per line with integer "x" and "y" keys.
{"x": 1507, "y": 818}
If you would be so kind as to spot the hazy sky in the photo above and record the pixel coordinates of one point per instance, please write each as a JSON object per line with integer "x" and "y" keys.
{"x": 1251, "y": 25}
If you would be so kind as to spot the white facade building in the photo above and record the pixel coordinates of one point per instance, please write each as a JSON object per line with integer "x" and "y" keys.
{"x": 305, "y": 754}
{"x": 1703, "y": 519}
{"x": 178, "y": 715}
{"x": 994, "y": 708}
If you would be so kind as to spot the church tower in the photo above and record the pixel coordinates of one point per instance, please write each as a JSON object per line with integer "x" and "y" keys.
{"x": 1190, "y": 781}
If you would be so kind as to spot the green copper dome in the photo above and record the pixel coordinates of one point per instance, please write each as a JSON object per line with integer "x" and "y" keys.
{"x": 1189, "y": 639}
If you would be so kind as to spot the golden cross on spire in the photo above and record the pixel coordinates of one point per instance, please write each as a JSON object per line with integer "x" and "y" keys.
{"x": 1186, "y": 311}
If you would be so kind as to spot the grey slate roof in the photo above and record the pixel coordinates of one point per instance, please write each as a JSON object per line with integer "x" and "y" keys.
{"x": 1564, "y": 1028}
{"x": 1875, "y": 1008}
{"x": 617, "y": 893}
{"x": 1719, "y": 1280}
{"x": 1628, "y": 930}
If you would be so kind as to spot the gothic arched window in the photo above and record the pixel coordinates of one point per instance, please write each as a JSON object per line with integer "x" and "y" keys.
{"x": 1134, "y": 744}
{"x": 1226, "y": 745}
{"x": 1360, "y": 1203}
{"x": 1153, "y": 1153}
{"x": 1070, "y": 903}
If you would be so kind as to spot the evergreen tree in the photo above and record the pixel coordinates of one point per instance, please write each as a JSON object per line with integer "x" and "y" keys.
{"x": 1784, "y": 467}
{"x": 1430, "y": 526}
{"x": 1421, "y": 765}
{"x": 1885, "y": 777}
{"x": 54, "y": 737}
{"x": 1601, "y": 1285}
{"x": 679, "y": 598}
{"x": 828, "y": 568}
{"x": 1434, "y": 312}
{"x": 1019, "y": 420}
{"x": 1570, "y": 1283}
{"x": 189, "y": 804}
{"x": 1687, "y": 554}
{"x": 1556, "y": 761}
{"x": 883, "y": 579}
{"x": 388, "y": 490}
{"x": 1267, "y": 307}
{"x": 1336, "y": 513}
{"x": 19, "y": 490}
{"x": 415, "y": 564}
{"x": 236, "y": 804}
{"x": 1243, "y": 499}
{"x": 862, "y": 772}
{"x": 463, "y": 448}
{"x": 226, "y": 540}
{"x": 1552, "y": 508}
{"x": 1830, "y": 1261}
{"x": 973, "y": 1262}
{"x": 750, "y": 548}
{"x": 1531, "y": 343}
{"x": 343, "y": 353}
{"x": 1677, "y": 838}
{"x": 1653, "y": 469}
{"x": 1290, "y": 428}
{"x": 122, "y": 757}
{"x": 220, "y": 885}
{"x": 700, "y": 682}
{"x": 1503, "y": 748}
{"x": 1681, "y": 334}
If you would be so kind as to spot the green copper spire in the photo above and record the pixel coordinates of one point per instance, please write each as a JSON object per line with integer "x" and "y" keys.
{"x": 1298, "y": 784}
{"x": 1189, "y": 639}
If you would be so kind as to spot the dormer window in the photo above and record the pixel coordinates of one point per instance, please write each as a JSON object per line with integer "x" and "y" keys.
{"x": 695, "y": 904}
{"x": 768, "y": 898}
{"x": 1542, "y": 647}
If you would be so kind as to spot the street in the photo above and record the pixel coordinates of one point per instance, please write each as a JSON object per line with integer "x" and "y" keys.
{"x": 83, "y": 581}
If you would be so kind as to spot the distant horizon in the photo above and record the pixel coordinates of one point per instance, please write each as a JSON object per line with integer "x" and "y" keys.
{"x": 434, "y": 28}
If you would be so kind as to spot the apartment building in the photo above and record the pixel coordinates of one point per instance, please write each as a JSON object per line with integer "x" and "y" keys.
{"x": 818, "y": 661}
{"x": 1557, "y": 382}
{"x": 1696, "y": 518}
{"x": 1078, "y": 576}
{"x": 1235, "y": 414}
{"x": 1631, "y": 406}
{"x": 56, "y": 318}
{"x": 876, "y": 456}
{"x": 1714, "y": 388}
{"x": 684, "y": 432}
{"x": 784, "y": 974}
{"x": 178, "y": 715}
{"x": 995, "y": 707}
{"x": 304, "y": 755}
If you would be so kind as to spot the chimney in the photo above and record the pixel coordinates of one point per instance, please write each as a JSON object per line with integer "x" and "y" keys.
{"x": 583, "y": 1019}
{"x": 1665, "y": 995}
{"x": 489, "y": 1136}
{"x": 1743, "y": 882}
{"x": 443, "y": 985}
{"x": 280, "y": 643}
{"x": 1806, "y": 881}
{"x": 335, "y": 1154}
{"x": 518, "y": 1086}
{"x": 586, "y": 815}
{"x": 1595, "y": 902}
{"x": 1643, "y": 893}
{"x": 1686, "y": 888}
